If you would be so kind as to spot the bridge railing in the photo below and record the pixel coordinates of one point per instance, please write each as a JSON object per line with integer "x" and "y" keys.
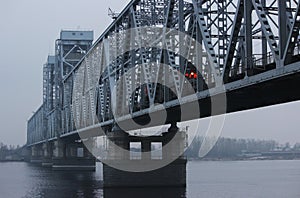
{"x": 260, "y": 61}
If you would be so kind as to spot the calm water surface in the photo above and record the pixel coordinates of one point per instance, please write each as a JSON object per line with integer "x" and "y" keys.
{"x": 265, "y": 179}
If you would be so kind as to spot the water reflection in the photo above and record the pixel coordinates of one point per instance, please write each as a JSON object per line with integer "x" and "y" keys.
{"x": 218, "y": 179}
{"x": 55, "y": 184}
{"x": 43, "y": 182}
{"x": 144, "y": 192}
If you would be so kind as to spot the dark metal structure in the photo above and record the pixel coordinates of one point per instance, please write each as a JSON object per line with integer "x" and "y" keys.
{"x": 248, "y": 49}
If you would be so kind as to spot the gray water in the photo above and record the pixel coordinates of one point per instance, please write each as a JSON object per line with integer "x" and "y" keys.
{"x": 204, "y": 179}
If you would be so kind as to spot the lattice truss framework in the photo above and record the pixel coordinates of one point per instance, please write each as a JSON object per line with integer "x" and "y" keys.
{"x": 238, "y": 38}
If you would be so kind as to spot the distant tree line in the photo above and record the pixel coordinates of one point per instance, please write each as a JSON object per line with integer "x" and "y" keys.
{"x": 9, "y": 152}
{"x": 232, "y": 148}
{"x": 225, "y": 148}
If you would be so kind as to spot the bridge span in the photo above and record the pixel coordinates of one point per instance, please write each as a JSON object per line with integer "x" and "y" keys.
{"x": 172, "y": 59}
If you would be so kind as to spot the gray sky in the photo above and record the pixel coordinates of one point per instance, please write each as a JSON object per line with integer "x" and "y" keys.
{"x": 28, "y": 30}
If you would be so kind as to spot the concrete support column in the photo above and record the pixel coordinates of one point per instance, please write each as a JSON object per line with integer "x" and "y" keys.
{"x": 47, "y": 150}
{"x": 119, "y": 144}
{"x": 71, "y": 150}
{"x": 59, "y": 149}
{"x": 36, "y": 154}
{"x": 173, "y": 142}
{"x": 171, "y": 175}
{"x": 47, "y": 154}
{"x": 146, "y": 149}
{"x": 78, "y": 150}
{"x": 87, "y": 153}
{"x": 72, "y": 156}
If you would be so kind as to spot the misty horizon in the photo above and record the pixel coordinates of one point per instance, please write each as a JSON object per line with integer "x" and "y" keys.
{"x": 27, "y": 45}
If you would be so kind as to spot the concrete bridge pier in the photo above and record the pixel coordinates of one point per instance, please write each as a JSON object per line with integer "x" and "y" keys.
{"x": 36, "y": 154}
{"x": 146, "y": 149}
{"x": 174, "y": 142}
{"x": 47, "y": 154}
{"x": 72, "y": 156}
{"x": 119, "y": 143}
{"x": 171, "y": 175}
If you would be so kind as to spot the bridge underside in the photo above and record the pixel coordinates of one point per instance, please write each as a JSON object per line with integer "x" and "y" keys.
{"x": 251, "y": 93}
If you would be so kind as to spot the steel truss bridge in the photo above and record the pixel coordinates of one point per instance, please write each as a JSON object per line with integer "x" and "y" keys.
{"x": 247, "y": 50}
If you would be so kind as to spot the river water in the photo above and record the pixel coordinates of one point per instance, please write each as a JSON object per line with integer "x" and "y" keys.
{"x": 205, "y": 179}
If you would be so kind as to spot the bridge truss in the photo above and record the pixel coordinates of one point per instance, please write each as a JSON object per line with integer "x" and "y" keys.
{"x": 119, "y": 76}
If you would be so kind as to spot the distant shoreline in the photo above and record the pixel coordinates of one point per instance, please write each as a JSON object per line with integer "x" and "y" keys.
{"x": 3, "y": 161}
{"x": 203, "y": 159}
{"x": 242, "y": 159}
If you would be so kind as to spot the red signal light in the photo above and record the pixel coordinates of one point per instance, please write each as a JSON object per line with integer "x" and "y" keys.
{"x": 191, "y": 75}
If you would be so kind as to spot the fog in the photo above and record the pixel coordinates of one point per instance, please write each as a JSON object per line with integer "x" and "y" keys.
{"x": 28, "y": 31}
